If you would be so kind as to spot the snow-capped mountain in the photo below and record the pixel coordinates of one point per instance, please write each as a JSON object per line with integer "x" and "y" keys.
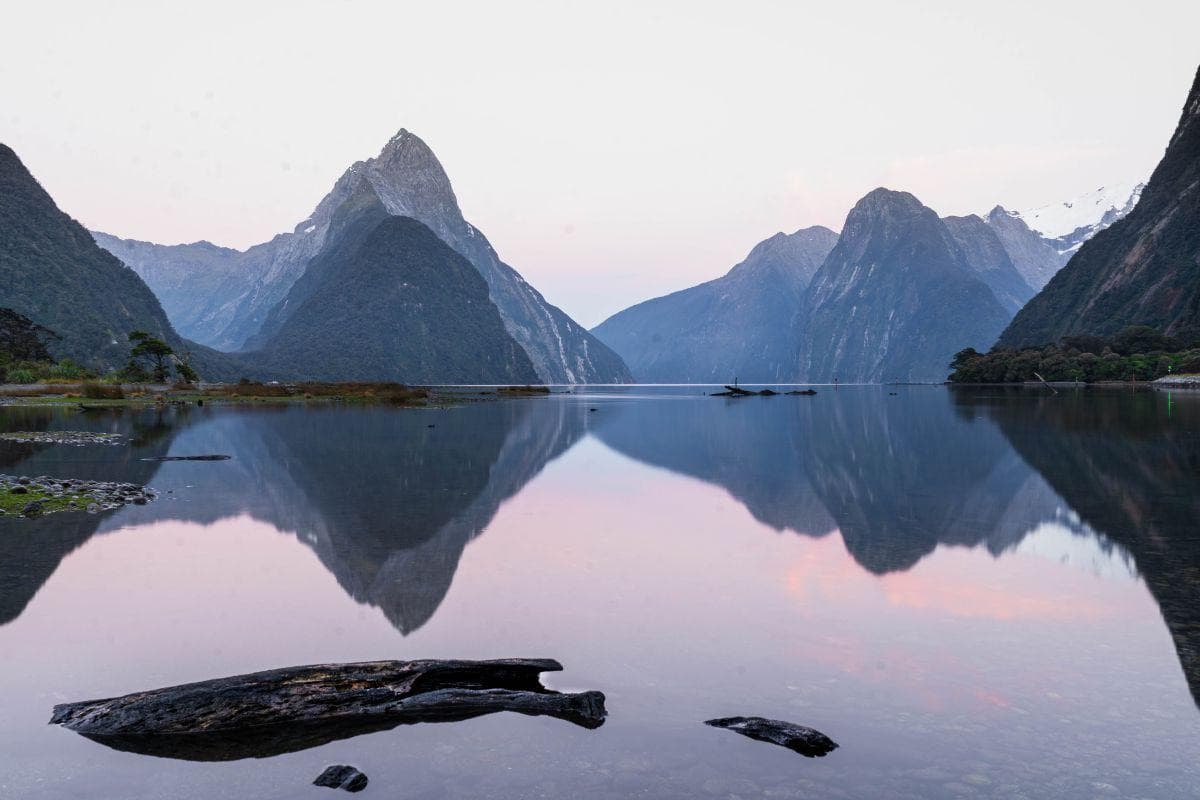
{"x": 1073, "y": 222}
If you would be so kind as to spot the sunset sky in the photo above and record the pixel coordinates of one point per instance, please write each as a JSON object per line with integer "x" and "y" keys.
{"x": 611, "y": 151}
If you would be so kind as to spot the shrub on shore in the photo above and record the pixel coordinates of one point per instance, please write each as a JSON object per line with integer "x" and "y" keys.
{"x": 103, "y": 391}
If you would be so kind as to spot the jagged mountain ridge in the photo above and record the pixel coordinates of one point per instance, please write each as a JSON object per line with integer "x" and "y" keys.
{"x": 740, "y": 325}
{"x": 1142, "y": 270}
{"x": 410, "y": 182}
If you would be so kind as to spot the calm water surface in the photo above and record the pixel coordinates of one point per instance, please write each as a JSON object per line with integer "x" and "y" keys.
{"x": 978, "y": 594}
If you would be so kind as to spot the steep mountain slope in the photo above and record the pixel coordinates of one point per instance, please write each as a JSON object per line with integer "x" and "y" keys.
{"x": 741, "y": 325}
{"x": 1144, "y": 269}
{"x": 410, "y": 182}
{"x": 386, "y": 299}
{"x": 895, "y": 299}
{"x": 986, "y": 255}
{"x": 52, "y": 272}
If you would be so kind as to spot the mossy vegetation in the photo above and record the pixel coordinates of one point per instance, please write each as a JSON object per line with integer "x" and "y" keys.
{"x": 14, "y": 500}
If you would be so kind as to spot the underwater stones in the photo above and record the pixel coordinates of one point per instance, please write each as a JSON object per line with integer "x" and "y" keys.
{"x": 76, "y": 438}
{"x": 798, "y": 738}
{"x": 342, "y": 776}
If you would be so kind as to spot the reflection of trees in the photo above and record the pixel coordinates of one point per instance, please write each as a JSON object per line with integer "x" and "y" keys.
{"x": 1130, "y": 467}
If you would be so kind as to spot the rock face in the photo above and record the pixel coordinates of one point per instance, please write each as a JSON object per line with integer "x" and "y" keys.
{"x": 895, "y": 299}
{"x": 1033, "y": 255}
{"x": 805, "y": 741}
{"x": 342, "y": 776}
{"x": 741, "y": 325}
{"x": 1142, "y": 270}
{"x": 386, "y": 299}
{"x": 53, "y": 273}
{"x": 285, "y": 710}
{"x": 408, "y": 181}
{"x": 985, "y": 254}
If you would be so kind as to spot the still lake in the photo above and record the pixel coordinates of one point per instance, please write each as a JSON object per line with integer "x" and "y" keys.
{"x": 977, "y": 593}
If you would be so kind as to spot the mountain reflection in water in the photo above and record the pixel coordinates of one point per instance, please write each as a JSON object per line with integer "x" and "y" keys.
{"x": 388, "y": 499}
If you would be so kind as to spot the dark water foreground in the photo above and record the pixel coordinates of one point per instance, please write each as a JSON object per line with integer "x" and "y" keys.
{"x": 975, "y": 593}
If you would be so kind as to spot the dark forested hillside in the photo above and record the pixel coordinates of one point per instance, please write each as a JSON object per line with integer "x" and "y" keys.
{"x": 1143, "y": 270}
{"x": 54, "y": 273}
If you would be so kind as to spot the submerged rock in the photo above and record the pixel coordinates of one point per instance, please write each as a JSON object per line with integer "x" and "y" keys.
{"x": 805, "y": 741}
{"x": 342, "y": 776}
{"x": 806, "y": 392}
{"x": 284, "y": 710}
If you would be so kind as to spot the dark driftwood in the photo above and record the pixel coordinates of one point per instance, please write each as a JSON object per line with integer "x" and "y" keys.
{"x": 803, "y": 740}
{"x": 285, "y": 710}
{"x": 215, "y": 457}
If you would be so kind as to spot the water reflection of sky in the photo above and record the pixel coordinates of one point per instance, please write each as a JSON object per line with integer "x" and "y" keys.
{"x": 1030, "y": 665}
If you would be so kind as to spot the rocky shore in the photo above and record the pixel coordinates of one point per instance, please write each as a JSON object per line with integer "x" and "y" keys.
{"x": 1178, "y": 382}
{"x": 32, "y": 497}
{"x": 77, "y": 438}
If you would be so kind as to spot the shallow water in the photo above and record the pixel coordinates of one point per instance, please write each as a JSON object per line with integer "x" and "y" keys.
{"x": 983, "y": 594}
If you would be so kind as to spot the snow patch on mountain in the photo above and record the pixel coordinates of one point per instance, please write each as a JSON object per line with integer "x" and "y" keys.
{"x": 1093, "y": 211}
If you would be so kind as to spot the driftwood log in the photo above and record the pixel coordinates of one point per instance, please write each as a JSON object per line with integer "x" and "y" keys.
{"x": 799, "y": 738}
{"x": 285, "y": 710}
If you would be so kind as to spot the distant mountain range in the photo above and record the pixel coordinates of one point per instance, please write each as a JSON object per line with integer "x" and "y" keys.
{"x": 740, "y": 325}
{"x": 386, "y": 280}
{"x": 890, "y": 299}
{"x": 1144, "y": 269}
{"x": 231, "y": 299}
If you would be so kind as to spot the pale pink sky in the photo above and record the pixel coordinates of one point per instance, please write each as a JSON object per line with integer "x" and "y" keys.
{"x": 610, "y": 151}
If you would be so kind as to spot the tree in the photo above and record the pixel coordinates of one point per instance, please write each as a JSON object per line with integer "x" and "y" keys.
{"x": 155, "y": 350}
{"x": 183, "y": 366}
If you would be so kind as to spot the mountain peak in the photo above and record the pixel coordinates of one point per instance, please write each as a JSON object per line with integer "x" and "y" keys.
{"x": 405, "y": 149}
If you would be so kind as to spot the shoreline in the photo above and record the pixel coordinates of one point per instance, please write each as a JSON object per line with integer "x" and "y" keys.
{"x": 91, "y": 395}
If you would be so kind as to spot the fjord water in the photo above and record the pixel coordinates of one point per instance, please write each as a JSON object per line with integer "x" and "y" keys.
{"x": 984, "y": 594}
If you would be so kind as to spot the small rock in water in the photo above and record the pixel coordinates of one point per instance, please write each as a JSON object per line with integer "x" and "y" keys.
{"x": 342, "y": 776}
{"x": 805, "y": 741}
